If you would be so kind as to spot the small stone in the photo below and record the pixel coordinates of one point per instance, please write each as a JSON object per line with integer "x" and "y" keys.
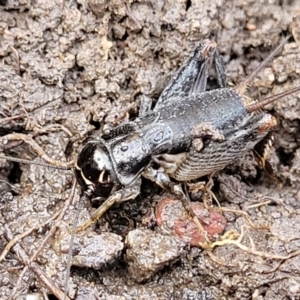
{"x": 228, "y": 22}
{"x": 251, "y": 26}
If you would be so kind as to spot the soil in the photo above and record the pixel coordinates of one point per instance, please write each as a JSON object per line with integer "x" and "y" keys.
{"x": 70, "y": 69}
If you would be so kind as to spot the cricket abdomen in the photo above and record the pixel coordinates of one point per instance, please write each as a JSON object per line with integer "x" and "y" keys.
{"x": 216, "y": 155}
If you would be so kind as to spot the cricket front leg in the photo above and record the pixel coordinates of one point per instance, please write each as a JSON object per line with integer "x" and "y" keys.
{"x": 203, "y": 133}
{"x": 129, "y": 192}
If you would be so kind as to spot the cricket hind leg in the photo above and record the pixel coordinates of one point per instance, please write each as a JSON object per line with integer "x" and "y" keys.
{"x": 163, "y": 180}
{"x": 191, "y": 76}
{"x": 168, "y": 165}
{"x": 202, "y": 191}
{"x": 220, "y": 69}
{"x": 262, "y": 151}
{"x": 128, "y": 193}
{"x": 197, "y": 162}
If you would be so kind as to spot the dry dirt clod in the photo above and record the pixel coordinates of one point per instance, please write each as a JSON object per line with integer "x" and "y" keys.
{"x": 96, "y": 251}
{"x": 148, "y": 252}
{"x": 171, "y": 216}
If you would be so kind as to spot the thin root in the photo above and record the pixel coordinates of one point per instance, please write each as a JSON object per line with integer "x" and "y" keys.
{"x": 269, "y": 200}
{"x": 187, "y": 206}
{"x": 52, "y": 127}
{"x": 130, "y": 15}
{"x": 17, "y": 59}
{"x": 8, "y": 119}
{"x": 232, "y": 238}
{"x": 202, "y": 232}
{"x": 19, "y": 237}
{"x": 245, "y": 215}
{"x": 216, "y": 259}
{"x": 36, "y": 148}
{"x": 209, "y": 185}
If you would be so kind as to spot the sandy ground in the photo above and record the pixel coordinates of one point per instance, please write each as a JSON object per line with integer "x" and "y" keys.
{"x": 67, "y": 68}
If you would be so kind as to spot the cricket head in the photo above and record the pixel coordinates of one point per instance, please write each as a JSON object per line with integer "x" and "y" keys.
{"x": 94, "y": 169}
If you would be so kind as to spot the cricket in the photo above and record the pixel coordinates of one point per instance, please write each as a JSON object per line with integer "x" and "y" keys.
{"x": 188, "y": 133}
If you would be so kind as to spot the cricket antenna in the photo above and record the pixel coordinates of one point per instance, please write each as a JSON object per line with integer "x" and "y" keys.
{"x": 30, "y": 162}
{"x": 256, "y": 106}
{"x": 243, "y": 85}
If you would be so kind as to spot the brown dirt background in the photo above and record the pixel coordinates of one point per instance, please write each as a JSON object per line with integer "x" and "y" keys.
{"x": 77, "y": 65}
